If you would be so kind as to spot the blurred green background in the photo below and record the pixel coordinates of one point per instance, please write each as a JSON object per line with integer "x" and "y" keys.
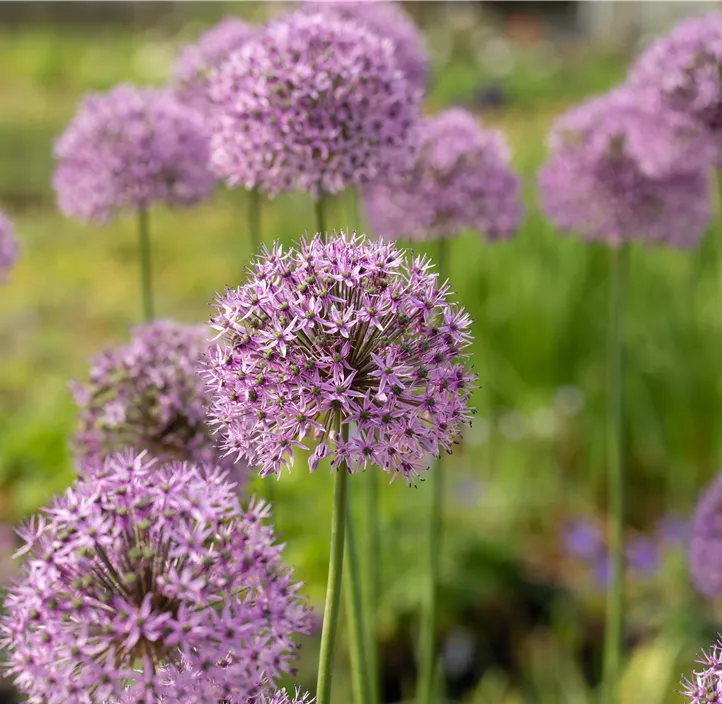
{"x": 520, "y": 617}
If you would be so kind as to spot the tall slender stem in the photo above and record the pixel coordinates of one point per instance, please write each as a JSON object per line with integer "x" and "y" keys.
{"x": 369, "y": 494}
{"x": 615, "y": 488}
{"x": 357, "y": 639}
{"x": 146, "y": 279}
{"x": 333, "y": 589}
{"x": 320, "y": 209}
{"x": 254, "y": 220}
{"x": 425, "y": 689}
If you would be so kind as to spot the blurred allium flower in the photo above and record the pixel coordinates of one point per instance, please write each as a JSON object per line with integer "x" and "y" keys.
{"x": 150, "y": 583}
{"x": 388, "y": 20}
{"x": 673, "y": 529}
{"x": 340, "y": 331}
{"x": 192, "y": 71}
{"x": 313, "y": 103}
{"x": 8, "y": 246}
{"x": 682, "y": 71}
{"x": 131, "y": 148}
{"x": 583, "y": 538}
{"x": 705, "y": 543}
{"x": 148, "y": 394}
{"x": 461, "y": 179}
{"x": 642, "y": 555}
{"x": 619, "y": 171}
{"x": 705, "y": 685}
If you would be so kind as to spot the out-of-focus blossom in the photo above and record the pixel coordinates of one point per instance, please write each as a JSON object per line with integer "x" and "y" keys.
{"x": 673, "y": 530}
{"x": 196, "y": 62}
{"x": 128, "y": 149}
{"x": 461, "y": 179}
{"x": 705, "y": 544}
{"x": 312, "y": 103}
{"x": 8, "y": 247}
{"x": 338, "y": 331}
{"x": 642, "y": 555}
{"x": 618, "y": 171}
{"x": 582, "y": 538}
{"x": 390, "y": 21}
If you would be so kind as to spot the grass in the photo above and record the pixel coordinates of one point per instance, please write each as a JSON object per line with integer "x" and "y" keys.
{"x": 539, "y": 302}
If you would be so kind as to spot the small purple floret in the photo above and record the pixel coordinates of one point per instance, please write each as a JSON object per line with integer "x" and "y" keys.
{"x": 8, "y": 247}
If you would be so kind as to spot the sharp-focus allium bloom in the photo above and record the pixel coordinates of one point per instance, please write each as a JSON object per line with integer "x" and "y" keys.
{"x": 388, "y": 20}
{"x": 619, "y": 171}
{"x": 192, "y": 71}
{"x": 336, "y": 332}
{"x": 682, "y": 72}
{"x": 313, "y": 103}
{"x": 705, "y": 542}
{"x": 282, "y": 697}
{"x": 705, "y": 685}
{"x": 148, "y": 394}
{"x": 8, "y": 247}
{"x": 460, "y": 180}
{"x": 128, "y": 149}
{"x": 150, "y": 583}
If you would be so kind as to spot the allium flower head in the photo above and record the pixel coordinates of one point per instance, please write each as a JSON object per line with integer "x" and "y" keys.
{"x": 388, "y": 20}
{"x": 460, "y": 179}
{"x": 192, "y": 71}
{"x": 281, "y": 696}
{"x": 705, "y": 541}
{"x": 705, "y": 685}
{"x": 8, "y": 247}
{"x": 148, "y": 394}
{"x": 150, "y": 583}
{"x": 313, "y": 103}
{"x": 619, "y": 171}
{"x": 131, "y": 148}
{"x": 335, "y": 332}
{"x": 682, "y": 72}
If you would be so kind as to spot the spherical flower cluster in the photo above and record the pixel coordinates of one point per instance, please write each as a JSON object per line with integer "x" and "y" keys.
{"x": 705, "y": 542}
{"x": 192, "y": 71}
{"x": 682, "y": 72}
{"x": 388, "y": 20}
{"x": 150, "y": 583}
{"x": 281, "y": 696}
{"x": 335, "y": 332}
{"x": 460, "y": 179}
{"x": 618, "y": 171}
{"x": 313, "y": 103}
{"x": 128, "y": 149}
{"x": 705, "y": 685}
{"x": 8, "y": 247}
{"x": 147, "y": 394}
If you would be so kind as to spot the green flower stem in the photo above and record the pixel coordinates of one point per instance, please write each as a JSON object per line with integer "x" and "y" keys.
{"x": 333, "y": 589}
{"x": 371, "y": 544}
{"x": 320, "y": 210}
{"x": 426, "y": 686}
{"x": 615, "y": 488}
{"x": 357, "y": 641}
{"x": 146, "y": 279}
{"x": 254, "y": 220}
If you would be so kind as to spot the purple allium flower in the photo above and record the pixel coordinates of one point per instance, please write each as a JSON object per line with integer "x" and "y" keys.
{"x": 131, "y": 148}
{"x": 388, "y": 20}
{"x": 582, "y": 538}
{"x": 192, "y": 71}
{"x": 705, "y": 543}
{"x": 280, "y": 696}
{"x": 619, "y": 171}
{"x": 642, "y": 555}
{"x": 148, "y": 394}
{"x": 150, "y": 583}
{"x": 682, "y": 72}
{"x": 8, "y": 247}
{"x": 460, "y": 179}
{"x": 313, "y": 103}
{"x": 339, "y": 331}
{"x": 705, "y": 685}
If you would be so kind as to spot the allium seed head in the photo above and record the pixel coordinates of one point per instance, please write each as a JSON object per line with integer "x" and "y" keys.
{"x": 148, "y": 394}
{"x": 705, "y": 685}
{"x": 460, "y": 180}
{"x": 8, "y": 247}
{"x": 682, "y": 72}
{"x": 619, "y": 171}
{"x": 131, "y": 148}
{"x": 390, "y": 21}
{"x": 705, "y": 542}
{"x": 335, "y": 332}
{"x": 312, "y": 103}
{"x": 150, "y": 583}
{"x": 196, "y": 62}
